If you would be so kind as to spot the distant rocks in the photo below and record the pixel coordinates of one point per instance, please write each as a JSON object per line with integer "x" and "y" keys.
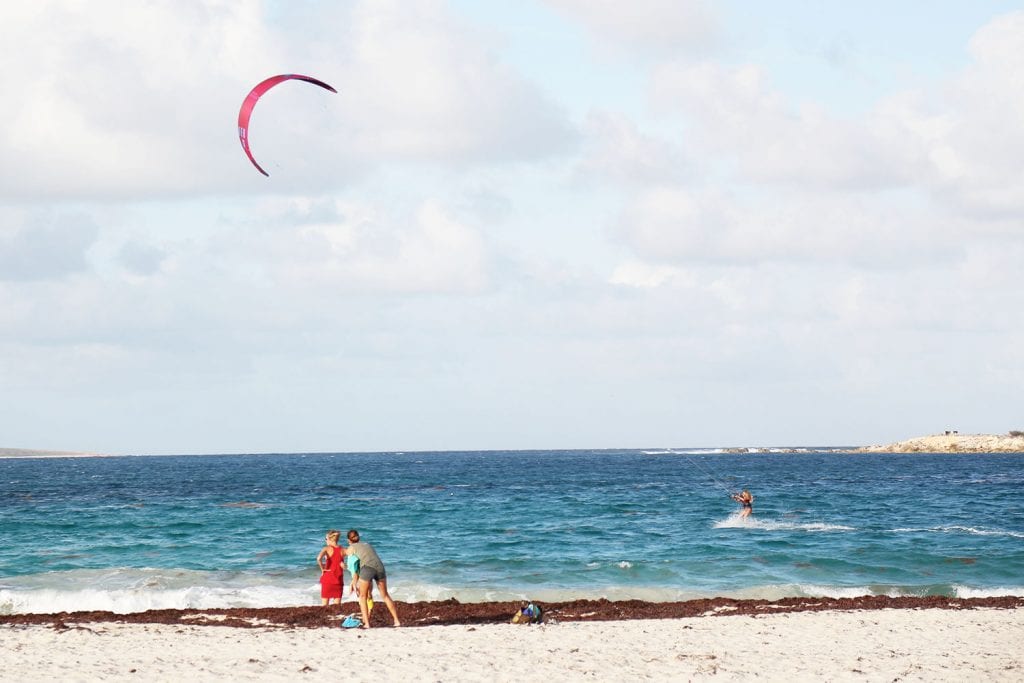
{"x": 954, "y": 443}
{"x": 31, "y": 453}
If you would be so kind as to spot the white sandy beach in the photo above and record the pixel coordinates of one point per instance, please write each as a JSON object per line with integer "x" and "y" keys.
{"x": 926, "y": 645}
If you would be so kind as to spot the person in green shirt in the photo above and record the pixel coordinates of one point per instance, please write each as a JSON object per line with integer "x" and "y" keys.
{"x": 371, "y": 570}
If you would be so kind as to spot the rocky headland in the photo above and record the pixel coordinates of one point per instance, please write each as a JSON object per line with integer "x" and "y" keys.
{"x": 952, "y": 442}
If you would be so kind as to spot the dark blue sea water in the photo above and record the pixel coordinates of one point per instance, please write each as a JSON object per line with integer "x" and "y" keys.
{"x": 134, "y": 533}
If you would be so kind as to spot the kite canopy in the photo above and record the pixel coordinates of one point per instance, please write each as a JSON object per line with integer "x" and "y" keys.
{"x": 250, "y": 102}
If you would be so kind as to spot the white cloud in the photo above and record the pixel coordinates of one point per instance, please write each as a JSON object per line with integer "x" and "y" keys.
{"x": 977, "y": 160}
{"x": 45, "y": 245}
{"x": 772, "y": 140}
{"x": 658, "y": 26}
{"x": 635, "y": 273}
{"x": 434, "y": 235}
{"x": 913, "y": 183}
{"x": 619, "y": 153}
{"x": 241, "y": 285}
{"x": 960, "y": 142}
{"x": 141, "y": 259}
{"x": 363, "y": 250}
{"x": 113, "y": 99}
{"x": 128, "y": 101}
{"x": 424, "y": 86}
{"x": 680, "y": 224}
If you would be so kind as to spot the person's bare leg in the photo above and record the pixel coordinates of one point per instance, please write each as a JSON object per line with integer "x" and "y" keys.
{"x": 382, "y": 585}
{"x": 363, "y": 588}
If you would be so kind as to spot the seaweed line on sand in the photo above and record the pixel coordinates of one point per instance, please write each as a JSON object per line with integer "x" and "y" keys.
{"x": 452, "y": 612}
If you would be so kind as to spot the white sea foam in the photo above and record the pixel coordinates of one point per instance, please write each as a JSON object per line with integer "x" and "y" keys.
{"x": 810, "y": 590}
{"x": 545, "y": 593}
{"x": 125, "y": 590}
{"x": 954, "y": 529}
{"x": 735, "y": 521}
{"x": 997, "y": 592}
{"x": 36, "y": 594}
{"x": 817, "y": 591}
{"x": 45, "y": 601}
{"x": 425, "y": 592}
{"x": 686, "y": 451}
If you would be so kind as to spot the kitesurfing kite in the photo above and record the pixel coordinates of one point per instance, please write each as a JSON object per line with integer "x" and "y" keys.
{"x": 250, "y": 102}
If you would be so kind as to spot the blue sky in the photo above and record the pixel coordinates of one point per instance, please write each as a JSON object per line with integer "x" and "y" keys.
{"x": 534, "y": 224}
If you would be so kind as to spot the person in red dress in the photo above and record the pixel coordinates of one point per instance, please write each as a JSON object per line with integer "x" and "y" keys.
{"x": 331, "y": 562}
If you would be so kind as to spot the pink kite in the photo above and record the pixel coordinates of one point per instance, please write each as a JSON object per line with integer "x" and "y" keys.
{"x": 250, "y": 101}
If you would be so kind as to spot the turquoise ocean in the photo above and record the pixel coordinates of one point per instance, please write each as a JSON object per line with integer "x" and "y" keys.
{"x": 200, "y": 531}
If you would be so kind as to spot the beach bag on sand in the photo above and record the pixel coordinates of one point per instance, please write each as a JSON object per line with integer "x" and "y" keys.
{"x": 529, "y": 614}
{"x": 352, "y": 621}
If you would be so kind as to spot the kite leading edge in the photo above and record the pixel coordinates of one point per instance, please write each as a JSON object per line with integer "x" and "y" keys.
{"x": 250, "y": 102}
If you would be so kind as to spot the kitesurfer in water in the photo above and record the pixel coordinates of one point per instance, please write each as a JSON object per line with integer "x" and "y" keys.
{"x": 746, "y": 500}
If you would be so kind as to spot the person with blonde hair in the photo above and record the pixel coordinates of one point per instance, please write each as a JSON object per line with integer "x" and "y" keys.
{"x": 331, "y": 561}
{"x": 746, "y": 500}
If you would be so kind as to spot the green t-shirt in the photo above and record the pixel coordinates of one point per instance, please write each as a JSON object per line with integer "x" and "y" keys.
{"x": 367, "y": 556}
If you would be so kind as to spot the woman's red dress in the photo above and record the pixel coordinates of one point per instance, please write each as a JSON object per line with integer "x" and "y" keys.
{"x": 331, "y": 580}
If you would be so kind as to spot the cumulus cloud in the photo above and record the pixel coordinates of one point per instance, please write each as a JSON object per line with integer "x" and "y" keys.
{"x": 363, "y": 249}
{"x": 45, "y": 246}
{"x": 655, "y": 26}
{"x": 760, "y": 246}
{"x": 424, "y": 86}
{"x": 679, "y": 224}
{"x": 773, "y": 140}
{"x": 141, "y": 258}
{"x": 240, "y": 286}
{"x": 916, "y": 182}
{"x": 960, "y": 141}
{"x": 616, "y": 151}
{"x": 100, "y": 107}
{"x": 976, "y": 159}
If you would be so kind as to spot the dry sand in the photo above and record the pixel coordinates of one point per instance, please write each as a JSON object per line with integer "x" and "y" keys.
{"x": 887, "y": 644}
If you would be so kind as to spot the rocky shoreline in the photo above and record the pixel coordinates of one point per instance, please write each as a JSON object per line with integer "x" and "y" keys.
{"x": 452, "y": 612}
{"x": 954, "y": 443}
